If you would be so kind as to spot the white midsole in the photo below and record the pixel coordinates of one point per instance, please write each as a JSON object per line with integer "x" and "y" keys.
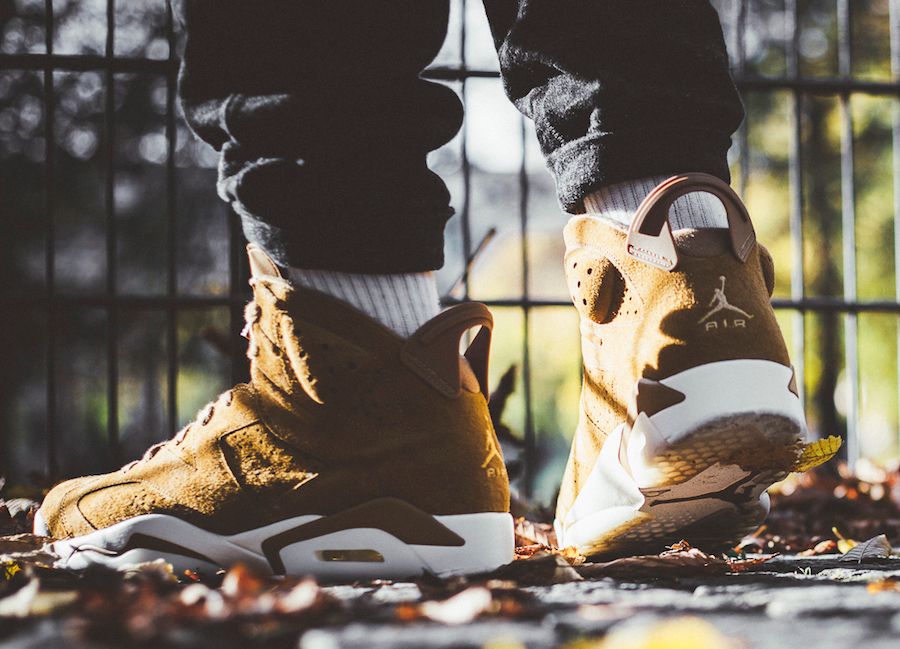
{"x": 611, "y": 496}
{"x": 489, "y": 543}
{"x": 726, "y": 387}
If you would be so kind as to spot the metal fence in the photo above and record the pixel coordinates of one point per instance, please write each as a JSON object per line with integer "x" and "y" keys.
{"x": 739, "y": 17}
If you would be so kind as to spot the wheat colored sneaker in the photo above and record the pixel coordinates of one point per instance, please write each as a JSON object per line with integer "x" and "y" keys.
{"x": 352, "y": 453}
{"x": 689, "y": 408}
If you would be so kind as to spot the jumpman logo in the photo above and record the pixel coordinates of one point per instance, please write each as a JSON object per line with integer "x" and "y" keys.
{"x": 493, "y": 452}
{"x": 720, "y": 303}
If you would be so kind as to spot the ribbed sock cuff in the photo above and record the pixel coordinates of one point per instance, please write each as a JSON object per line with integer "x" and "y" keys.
{"x": 402, "y": 302}
{"x": 619, "y": 202}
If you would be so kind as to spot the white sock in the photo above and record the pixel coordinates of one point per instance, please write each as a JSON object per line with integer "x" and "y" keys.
{"x": 402, "y": 302}
{"x": 619, "y": 202}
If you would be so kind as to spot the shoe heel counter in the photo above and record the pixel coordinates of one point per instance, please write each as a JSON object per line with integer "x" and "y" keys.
{"x": 462, "y": 468}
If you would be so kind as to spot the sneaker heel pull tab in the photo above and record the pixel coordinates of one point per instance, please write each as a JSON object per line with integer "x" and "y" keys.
{"x": 432, "y": 352}
{"x": 650, "y": 236}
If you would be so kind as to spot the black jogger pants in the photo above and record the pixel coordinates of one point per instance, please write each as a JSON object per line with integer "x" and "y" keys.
{"x": 324, "y": 124}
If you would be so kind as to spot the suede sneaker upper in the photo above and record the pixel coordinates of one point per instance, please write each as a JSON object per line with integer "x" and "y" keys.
{"x": 688, "y": 387}
{"x": 339, "y": 412}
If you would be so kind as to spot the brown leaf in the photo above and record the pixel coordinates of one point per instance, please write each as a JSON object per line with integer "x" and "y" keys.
{"x": 889, "y": 585}
{"x": 827, "y": 546}
{"x": 529, "y": 533}
{"x": 680, "y": 560}
{"x": 22, "y": 543}
{"x": 302, "y": 597}
{"x": 459, "y": 609}
{"x": 541, "y": 568}
{"x": 241, "y": 581}
{"x": 31, "y": 600}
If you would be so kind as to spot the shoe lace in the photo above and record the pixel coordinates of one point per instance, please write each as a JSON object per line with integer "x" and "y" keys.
{"x": 252, "y": 314}
{"x": 203, "y": 417}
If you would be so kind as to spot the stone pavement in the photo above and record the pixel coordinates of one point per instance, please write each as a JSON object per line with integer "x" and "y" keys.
{"x": 814, "y": 602}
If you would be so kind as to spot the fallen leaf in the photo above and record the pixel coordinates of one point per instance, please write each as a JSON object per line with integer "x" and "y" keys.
{"x": 844, "y": 545}
{"x": 822, "y": 547}
{"x": 877, "y": 547}
{"x": 529, "y": 533}
{"x": 889, "y": 585}
{"x": 19, "y": 543}
{"x": 817, "y": 453}
{"x": 241, "y": 581}
{"x": 540, "y": 569}
{"x": 459, "y": 609}
{"x": 743, "y": 565}
{"x": 301, "y": 597}
{"x": 676, "y": 633}
{"x": 682, "y": 560}
{"x": 8, "y": 569}
{"x": 30, "y": 601}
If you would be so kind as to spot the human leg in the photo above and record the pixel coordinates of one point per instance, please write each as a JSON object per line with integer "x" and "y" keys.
{"x": 686, "y": 420}
{"x": 353, "y": 451}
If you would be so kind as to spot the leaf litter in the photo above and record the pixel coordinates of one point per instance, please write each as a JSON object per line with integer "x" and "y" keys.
{"x": 151, "y": 604}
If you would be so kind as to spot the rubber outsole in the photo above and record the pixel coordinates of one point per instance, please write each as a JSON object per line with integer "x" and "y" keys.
{"x": 696, "y": 470}
{"x": 478, "y": 543}
{"x": 713, "y": 489}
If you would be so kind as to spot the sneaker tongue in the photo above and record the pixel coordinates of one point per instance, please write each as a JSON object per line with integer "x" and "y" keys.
{"x": 261, "y": 265}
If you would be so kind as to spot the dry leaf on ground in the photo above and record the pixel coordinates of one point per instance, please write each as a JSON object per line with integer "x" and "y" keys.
{"x": 827, "y": 546}
{"x": 889, "y": 585}
{"x": 461, "y": 608}
{"x": 540, "y": 569}
{"x": 877, "y": 547}
{"x": 531, "y": 533}
{"x": 681, "y": 560}
{"x": 817, "y": 453}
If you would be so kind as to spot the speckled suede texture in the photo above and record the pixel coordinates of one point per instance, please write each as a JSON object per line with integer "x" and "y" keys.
{"x": 640, "y": 321}
{"x": 330, "y": 419}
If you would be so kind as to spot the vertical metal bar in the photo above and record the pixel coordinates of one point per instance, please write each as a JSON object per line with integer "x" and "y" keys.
{"x": 236, "y": 313}
{"x": 50, "y": 249}
{"x": 895, "y": 130}
{"x": 112, "y": 326}
{"x": 171, "y": 230}
{"x": 530, "y": 437}
{"x": 464, "y": 153}
{"x": 795, "y": 179}
{"x": 740, "y": 50}
{"x": 848, "y": 230}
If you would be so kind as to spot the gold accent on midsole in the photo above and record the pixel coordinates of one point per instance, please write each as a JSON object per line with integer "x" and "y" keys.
{"x": 363, "y": 556}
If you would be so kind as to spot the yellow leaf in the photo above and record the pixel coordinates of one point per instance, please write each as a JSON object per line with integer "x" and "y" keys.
{"x": 845, "y": 545}
{"x": 9, "y": 568}
{"x": 675, "y": 633}
{"x": 816, "y": 453}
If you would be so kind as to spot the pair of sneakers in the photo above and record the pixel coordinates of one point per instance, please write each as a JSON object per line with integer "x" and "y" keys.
{"x": 355, "y": 453}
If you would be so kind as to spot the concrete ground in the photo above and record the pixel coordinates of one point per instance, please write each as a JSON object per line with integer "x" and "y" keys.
{"x": 793, "y": 602}
{"x": 815, "y": 602}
